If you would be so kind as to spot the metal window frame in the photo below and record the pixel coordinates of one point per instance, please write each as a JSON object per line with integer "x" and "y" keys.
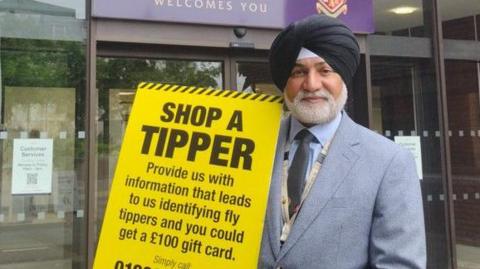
{"x": 91, "y": 109}
{"x": 439, "y": 62}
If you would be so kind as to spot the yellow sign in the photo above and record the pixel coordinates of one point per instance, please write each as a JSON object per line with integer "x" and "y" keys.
{"x": 191, "y": 184}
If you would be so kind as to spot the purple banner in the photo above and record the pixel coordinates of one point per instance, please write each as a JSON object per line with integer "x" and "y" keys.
{"x": 276, "y": 14}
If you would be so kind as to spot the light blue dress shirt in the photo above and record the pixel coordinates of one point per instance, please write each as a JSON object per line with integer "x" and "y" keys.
{"x": 323, "y": 133}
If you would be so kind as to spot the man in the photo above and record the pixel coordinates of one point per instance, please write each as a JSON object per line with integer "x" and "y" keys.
{"x": 341, "y": 196}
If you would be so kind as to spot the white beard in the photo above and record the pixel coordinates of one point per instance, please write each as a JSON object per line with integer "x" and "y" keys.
{"x": 320, "y": 113}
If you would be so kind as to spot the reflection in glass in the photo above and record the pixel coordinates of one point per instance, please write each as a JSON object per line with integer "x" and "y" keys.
{"x": 405, "y": 104}
{"x": 42, "y": 90}
{"x": 255, "y": 77}
{"x": 458, "y": 19}
{"x": 464, "y": 123}
{"x": 399, "y": 18}
{"x": 461, "y": 22}
{"x": 117, "y": 79}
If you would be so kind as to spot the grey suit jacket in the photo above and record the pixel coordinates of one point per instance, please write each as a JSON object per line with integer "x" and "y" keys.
{"x": 364, "y": 211}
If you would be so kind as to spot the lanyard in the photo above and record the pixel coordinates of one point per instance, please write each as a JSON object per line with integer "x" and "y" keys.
{"x": 312, "y": 175}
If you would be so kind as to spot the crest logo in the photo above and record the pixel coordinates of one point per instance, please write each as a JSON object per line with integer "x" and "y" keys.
{"x": 332, "y": 8}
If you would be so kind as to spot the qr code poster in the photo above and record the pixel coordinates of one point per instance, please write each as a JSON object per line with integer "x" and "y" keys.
{"x": 32, "y": 166}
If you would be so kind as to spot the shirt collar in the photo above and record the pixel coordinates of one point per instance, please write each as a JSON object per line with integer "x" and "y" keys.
{"x": 323, "y": 132}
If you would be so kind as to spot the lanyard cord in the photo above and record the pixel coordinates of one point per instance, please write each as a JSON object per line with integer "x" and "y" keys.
{"x": 312, "y": 175}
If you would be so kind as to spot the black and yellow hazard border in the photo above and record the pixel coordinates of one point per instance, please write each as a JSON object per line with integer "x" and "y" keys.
{"x": 210, "y": 91}
{"x": 192, "y": 178}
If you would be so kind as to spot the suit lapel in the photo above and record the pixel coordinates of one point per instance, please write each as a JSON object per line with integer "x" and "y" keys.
{"x": 340, "y": 159}
{"x": 274, "y": 213}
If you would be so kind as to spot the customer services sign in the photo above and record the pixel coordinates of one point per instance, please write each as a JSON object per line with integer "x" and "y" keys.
{"x": 192, "y": 179}
{"x": 252, "y": 13}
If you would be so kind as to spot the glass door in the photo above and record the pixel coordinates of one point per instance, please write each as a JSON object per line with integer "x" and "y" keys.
{"x": 462, "y": 81}
{"x": 42, "y": 134}
{"x": 461, "y": 31}
{"x": 404, "y": 106}
{"x": 117, "y": 79}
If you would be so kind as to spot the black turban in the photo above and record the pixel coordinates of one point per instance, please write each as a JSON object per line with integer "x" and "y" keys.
{"x": 327, "y": 37}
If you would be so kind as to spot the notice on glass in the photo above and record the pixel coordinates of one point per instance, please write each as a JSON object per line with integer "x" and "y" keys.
{"x": 192, "y": 179}
{"x": 412, "y": 143}
{"x": 32, "y": 166}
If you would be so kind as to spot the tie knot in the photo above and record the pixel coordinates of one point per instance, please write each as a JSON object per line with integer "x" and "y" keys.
{"x": 305, "y": 136}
